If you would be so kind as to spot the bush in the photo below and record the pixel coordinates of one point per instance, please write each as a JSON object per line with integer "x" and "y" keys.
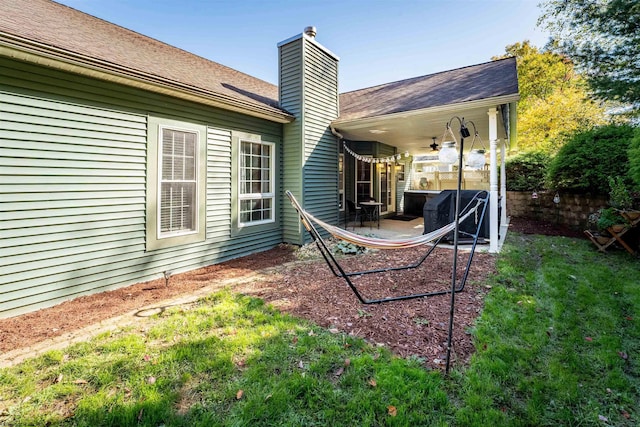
{"x": 527, "y": 171}
{"x": 588, "y": 159}
{"x": 634, "y": 158}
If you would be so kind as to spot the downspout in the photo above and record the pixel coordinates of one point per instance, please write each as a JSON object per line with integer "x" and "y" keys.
{"x": 336, "y": 133}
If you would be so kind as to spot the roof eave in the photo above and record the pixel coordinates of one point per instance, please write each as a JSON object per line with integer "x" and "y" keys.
{"x": 36, "y": 53}
{"x": 487, "y": 102}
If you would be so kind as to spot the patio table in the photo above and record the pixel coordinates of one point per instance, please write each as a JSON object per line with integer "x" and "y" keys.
{"x": 370, "y": 211}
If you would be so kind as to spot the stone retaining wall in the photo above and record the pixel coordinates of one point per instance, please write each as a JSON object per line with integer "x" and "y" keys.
{"x": 572, "y": 211}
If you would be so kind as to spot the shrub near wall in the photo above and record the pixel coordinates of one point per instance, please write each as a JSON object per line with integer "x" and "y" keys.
{"x": 572, "y": 211}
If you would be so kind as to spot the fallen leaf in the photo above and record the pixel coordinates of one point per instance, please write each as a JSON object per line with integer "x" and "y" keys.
{"x": 373, "y": 383}
{"x": 588, "y": 339}
{"x": 294, "y": 340}
{"x": 334, "y": 331}
{"x": 339, "y": 372}
{"x": 603, "y": 418}
{"x": 393, "y": 411}
{"x": 623, "y": 355}
{"x": 239, "y": 394}
{"x": 625, "y": 414}
{"x": 59, "y": 379}
{"x": 140, "y": 414}
{"x": 347, "y": 362}
{"x": 80, "y": 381}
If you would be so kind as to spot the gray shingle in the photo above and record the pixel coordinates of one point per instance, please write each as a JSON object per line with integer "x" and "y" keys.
{"x": 476, "y": 82}
{"x": 61, "y": 27}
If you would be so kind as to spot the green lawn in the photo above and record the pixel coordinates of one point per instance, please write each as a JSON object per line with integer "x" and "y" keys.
{"x": 558, "y": 345}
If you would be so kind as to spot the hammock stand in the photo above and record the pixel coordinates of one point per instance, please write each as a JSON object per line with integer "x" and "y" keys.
{"x": 478, "y": 203}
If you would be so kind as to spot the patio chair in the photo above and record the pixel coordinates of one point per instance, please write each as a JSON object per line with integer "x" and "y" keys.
{"x": 352, "y": 213}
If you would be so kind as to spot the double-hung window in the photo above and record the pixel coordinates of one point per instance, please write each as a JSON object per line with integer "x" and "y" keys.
{"x": 177, "y": 207}
{"x": 176, "y": 183}
{"x": 256, "y": 197}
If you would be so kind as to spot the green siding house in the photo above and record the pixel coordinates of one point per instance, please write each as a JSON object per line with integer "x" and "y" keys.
{"x": 122, "y": 158}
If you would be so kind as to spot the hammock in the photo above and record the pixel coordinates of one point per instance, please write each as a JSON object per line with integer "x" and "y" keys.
{"x": 377, "y": 243}
{"x": 477, "y": 204}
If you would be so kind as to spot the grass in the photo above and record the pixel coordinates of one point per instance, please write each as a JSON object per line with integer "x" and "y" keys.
{"x": 557, "y": 344}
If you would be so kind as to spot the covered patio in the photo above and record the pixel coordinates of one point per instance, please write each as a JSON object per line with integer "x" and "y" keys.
{"x": 392, "y": 135}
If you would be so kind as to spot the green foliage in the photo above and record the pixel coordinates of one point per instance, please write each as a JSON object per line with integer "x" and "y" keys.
{"x": 589, "y": 158}
{"x": 347, "y": 248}
{"x": 602, "y": 38}
{"x": 527, "y": 171}
{"x": 619, "y": 196}
{"x": 548, "y": 84}
{"x": 634, "y": 158}
{"x": 608, "y": 218}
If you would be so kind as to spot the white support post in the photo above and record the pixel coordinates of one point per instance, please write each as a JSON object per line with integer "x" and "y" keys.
{"x": 503, "y": 183}
{"x": 493, "y": 180}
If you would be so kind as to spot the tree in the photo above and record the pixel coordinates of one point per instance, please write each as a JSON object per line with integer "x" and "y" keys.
{"x": 634, "y": 158}
{"x": 587, "y": 161}
{"x": 553, "y": 99}
{"x": 602, "y": 37}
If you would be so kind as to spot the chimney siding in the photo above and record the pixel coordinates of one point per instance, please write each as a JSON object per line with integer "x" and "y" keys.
{"x": 308, "y": 89}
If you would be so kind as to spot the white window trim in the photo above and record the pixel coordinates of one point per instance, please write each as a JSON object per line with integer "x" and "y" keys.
{"x": 159, "y": 234}
{"x": 268, "y": 195}
{"x": 154, "y": 239}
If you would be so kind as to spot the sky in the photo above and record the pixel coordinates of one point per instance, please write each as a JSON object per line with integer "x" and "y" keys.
{"x": 377, "y": 41}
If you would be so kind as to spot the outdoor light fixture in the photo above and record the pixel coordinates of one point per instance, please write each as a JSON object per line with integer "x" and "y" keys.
{"x": 476, "y": 159}
{"x": 448, "y": 153}
{"x": 446, "y": 158}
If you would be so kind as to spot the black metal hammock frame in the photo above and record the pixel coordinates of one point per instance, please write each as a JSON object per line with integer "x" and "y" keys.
{"x": 478, "y": 203}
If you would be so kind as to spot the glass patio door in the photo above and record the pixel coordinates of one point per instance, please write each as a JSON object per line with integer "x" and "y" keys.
{"x": 364, "y": 181}
{"x": 386, "y": 187}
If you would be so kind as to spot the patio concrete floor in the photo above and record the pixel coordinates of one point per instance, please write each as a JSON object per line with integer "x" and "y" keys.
{"x": 394, "y": 229}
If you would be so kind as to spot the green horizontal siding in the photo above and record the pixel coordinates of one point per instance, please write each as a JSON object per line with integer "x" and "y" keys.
{"x": 290, "y": 90}
{"x": 73, "y": 185}
{"x": 320, "y": 172}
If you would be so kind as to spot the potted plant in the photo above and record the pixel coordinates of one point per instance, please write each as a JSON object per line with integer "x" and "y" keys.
{"x": 610, "y": 218}
{"x": 594, "y": 230}
{"x": 620, "y": 198}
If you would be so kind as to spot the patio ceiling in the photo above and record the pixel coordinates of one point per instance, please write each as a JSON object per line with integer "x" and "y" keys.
{"x": 407, "y": 114}
{"x": 413, "y": 131}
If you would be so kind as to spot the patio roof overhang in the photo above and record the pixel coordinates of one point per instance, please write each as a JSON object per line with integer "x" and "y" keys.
{"x": 413, "y": 131}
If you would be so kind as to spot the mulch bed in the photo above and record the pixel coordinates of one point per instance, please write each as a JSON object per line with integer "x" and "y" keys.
{"x": 308, "y": 289}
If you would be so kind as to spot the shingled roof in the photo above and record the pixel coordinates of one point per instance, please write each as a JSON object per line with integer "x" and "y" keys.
{"x": 473, "y": 83}
{"x": 49, "y": 27}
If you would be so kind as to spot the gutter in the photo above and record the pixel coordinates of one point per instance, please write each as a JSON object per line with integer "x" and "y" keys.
{"x": 487, "y": 102}
{"x": 52, "y": 57}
